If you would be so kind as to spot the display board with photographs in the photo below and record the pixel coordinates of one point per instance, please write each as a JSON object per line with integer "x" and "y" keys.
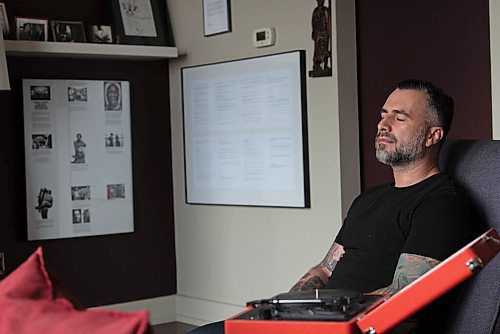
{"x": 78, "y": 158}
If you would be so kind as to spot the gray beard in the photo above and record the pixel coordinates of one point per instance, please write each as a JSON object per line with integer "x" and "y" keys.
{"x": 404, "y": 153}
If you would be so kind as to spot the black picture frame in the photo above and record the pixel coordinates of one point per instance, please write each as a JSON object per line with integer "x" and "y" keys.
{"x": 208, "y": 186}
{"x": 216, "y": 20}
{"x": 68, "y": 31}
{"x": 137, "y": 29}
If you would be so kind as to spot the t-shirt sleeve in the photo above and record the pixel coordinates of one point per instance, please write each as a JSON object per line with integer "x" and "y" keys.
{"x": 439, "y": 226}
{"x": 338, "y": 238}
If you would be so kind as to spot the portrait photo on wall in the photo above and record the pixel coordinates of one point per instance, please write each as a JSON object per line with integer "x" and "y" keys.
{"x": 4, "y": 20}
{"x": 98, "y": 33}
{"x": 77, "y": 216}
{"x": 68, "y": 31}
{"x": 112, "y": 96}
{"x": 31, "y": 29}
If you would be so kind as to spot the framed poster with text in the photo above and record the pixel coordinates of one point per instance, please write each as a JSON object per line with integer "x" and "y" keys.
{"x": 78, "y": 158}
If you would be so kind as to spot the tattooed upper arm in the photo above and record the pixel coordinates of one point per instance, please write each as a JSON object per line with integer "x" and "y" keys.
{"x": 409, "y": 268}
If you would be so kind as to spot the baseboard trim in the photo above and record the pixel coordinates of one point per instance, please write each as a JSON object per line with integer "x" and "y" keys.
{"x": 196, "y": 311}
{"x": 189, "y": 310}
{"x": 161, "y": 309}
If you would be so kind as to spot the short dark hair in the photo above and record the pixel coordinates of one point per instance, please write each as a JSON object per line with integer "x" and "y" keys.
{"x": 440, "y": 102}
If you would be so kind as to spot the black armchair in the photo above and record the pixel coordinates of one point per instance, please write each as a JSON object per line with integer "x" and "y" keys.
{"x": 475, "y": 166}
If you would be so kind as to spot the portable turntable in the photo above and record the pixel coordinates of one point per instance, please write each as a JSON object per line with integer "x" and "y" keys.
{"x": 348, "y": 312}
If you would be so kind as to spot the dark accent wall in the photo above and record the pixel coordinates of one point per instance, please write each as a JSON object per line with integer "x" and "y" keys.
{"x": 445, "y": 42}
{"x": 108, "y": 269}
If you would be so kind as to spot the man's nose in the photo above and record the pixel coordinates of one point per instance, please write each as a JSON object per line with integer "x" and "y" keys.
{"x": 384, "y": 125}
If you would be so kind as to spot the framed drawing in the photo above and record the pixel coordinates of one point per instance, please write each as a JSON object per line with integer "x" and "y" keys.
{"x": 4, "y": 20}
{"x": 141, "y": 22}
{"x": 68, "y": 31}
{"x": 31, "y": 29}
{"x": 100, "y": 33}
{"x": 216, "y": 17}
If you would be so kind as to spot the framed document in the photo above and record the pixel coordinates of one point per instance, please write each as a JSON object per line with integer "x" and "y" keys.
{"x": 216, "y": 17}
{"x": 245, "y": 132}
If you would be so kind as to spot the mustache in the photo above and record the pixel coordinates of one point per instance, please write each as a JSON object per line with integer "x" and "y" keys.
{"x": 386, "y": 135}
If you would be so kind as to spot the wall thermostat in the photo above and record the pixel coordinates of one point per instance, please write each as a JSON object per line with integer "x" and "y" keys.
{"x": 264, "y": 37}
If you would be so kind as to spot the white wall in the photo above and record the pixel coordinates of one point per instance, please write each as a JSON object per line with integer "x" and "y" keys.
{"x": 495, "y": 65}
{"x": 227, "y": 256}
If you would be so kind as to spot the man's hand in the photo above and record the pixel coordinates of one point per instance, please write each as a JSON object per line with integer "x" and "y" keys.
{"x": 317, "y": 276}
{"x": 409, "y": 268}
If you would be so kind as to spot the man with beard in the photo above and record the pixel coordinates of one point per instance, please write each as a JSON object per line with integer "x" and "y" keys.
{"x": 396, "y": 232}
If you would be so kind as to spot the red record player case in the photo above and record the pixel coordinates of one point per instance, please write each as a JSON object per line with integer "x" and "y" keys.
{"x": 385, "y": 314}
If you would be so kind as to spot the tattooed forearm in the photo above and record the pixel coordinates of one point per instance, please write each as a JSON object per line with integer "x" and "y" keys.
{"x": 409, "y": 268}
{"x": 332, "y": 257}
{"x": 308, "y": 283}
{"x": 318, "y": 276}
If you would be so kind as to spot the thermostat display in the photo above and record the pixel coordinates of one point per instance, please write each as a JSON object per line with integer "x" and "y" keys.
{"x": 264, "y": 37}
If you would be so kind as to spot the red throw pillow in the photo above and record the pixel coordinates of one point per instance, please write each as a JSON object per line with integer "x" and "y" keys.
{"x": 29, "y": 280}
{"x": 27, "y": 306}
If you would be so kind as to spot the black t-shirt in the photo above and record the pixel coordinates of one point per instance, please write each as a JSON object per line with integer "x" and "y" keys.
{"x": 429, "y": 218}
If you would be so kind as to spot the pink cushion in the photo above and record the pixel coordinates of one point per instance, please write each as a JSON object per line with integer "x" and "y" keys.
{"x": 29, "y": 280}
{"x": 27, "y": 306}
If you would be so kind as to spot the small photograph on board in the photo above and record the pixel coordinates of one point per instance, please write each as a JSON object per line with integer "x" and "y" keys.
{"x": 77, "y": 94}
{"x": 68, "y": 31}
{"x": 86, "y": 216}
{"x": 116, "y": 191}
{"x": 40, "y": 93}
{"x": 4, "y": 20}
{"x": 114, "y": 140}
{"x": 112, "y": 96}
{"x": 77, "y": 216}
{"x": 31, "y": 29}
{"x": 79, "y": 147}
{"x": 98, "y": 33}
{"x": 41, "y": 141}
{"x": 80, "y": 193}
{"x": 44, "y": 202}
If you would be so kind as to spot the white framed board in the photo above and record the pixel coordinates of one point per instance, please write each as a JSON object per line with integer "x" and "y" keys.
{"x": 78, "y": 158}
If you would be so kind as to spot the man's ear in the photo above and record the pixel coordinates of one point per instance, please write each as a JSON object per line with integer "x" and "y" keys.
{"x": 434, "y": 135}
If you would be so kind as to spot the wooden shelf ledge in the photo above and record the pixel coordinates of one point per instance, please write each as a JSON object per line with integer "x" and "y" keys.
{"x": 88, "y": 50}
